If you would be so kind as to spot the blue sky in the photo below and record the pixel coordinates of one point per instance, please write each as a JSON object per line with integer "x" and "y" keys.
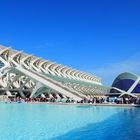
{"x": 97, "y": 36}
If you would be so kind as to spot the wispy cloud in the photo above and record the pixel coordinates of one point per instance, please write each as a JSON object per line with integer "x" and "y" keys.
{"x": 110, "y": 71}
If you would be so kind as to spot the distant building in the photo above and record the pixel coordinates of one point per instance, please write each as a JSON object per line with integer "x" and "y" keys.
{"x": 126, "y": 83}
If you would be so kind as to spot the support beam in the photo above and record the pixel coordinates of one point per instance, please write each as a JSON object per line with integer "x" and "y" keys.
{"x": 134, "y": 85}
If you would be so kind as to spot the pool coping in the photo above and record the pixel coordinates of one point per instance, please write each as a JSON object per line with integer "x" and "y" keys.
{"x": 87, "y": 104}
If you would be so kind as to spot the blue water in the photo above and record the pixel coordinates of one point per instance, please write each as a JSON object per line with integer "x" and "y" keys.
{"x": 64, "y": 122}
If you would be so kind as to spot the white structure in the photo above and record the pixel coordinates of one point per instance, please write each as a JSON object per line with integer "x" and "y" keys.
{"x": 29, "y": 76}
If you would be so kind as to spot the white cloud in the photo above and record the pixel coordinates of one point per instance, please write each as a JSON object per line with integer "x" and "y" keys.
{"x": 111, "y": 71}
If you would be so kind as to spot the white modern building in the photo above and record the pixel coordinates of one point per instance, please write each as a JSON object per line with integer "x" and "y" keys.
{"x": 26, "y": 75}
{"x": 126, "y": 84}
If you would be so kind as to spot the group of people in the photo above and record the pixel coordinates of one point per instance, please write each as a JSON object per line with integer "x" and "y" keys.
{"x": 40, "y": 99}
{"x": 94, "y": 100}
{"x": 53, "y": 100}
{"x": 127, "y": 100}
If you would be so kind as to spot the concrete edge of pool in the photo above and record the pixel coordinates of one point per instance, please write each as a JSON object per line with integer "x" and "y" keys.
{"x": 86, "y": 104}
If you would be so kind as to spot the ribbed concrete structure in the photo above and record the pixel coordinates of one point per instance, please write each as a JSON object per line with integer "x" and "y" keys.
{"x": 29, "y": 76}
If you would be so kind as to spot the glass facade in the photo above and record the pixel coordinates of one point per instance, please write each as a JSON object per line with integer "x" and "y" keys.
{"x": 1, "y": 64}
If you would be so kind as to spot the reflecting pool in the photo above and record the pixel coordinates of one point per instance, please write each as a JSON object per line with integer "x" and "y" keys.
{"x": 68, "y": 122}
